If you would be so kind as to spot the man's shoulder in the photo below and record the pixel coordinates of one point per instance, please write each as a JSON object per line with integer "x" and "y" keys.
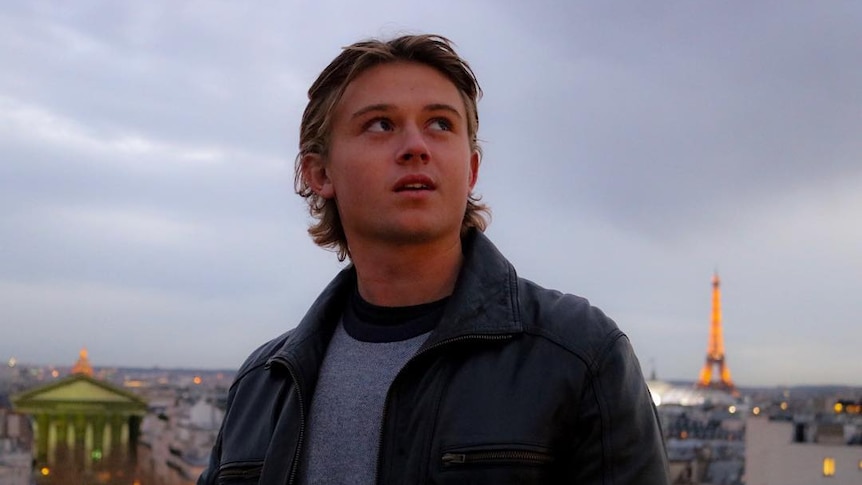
{"x": 326, "y": 308}
{"x": 259, "y": 357}
{"x": 568, "y": 320}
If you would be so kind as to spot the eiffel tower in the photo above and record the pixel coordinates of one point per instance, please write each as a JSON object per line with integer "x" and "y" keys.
{"x": 715, "y": 349}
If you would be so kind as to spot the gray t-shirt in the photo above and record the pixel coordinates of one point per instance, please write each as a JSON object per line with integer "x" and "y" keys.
{"x": 369, "y": 347}
{"x": 347, "y": 408}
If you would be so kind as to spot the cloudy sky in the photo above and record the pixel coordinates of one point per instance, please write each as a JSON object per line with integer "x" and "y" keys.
{"x": 631, "y": 148}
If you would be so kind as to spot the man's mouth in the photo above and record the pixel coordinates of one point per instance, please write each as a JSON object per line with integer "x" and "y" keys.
{"x": 413, "y": 187}
{"x": 414, "y": 183}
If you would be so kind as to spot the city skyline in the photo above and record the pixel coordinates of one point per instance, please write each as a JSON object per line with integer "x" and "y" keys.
{"x": 147, "y": 210}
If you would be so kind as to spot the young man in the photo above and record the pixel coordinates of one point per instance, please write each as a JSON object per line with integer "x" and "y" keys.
{"x": 427, "y": 360}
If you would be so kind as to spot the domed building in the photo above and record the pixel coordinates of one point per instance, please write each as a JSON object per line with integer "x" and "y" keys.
{"x": 84, "y": 427}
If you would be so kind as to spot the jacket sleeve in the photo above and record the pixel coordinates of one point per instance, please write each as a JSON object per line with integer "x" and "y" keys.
{"x": 618, "y": 439}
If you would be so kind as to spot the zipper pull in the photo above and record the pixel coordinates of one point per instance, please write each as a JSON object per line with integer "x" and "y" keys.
{"x": 450, "y": 458}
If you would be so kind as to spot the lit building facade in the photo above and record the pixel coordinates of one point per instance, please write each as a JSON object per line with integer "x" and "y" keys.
{"x": 85, "y": 429}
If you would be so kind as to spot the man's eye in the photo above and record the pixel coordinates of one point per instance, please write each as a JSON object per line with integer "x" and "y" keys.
{"x": 441, "y": 124}
{"x": 379, "y": 125}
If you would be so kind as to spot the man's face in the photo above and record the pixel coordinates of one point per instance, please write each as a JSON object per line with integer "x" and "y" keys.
{"x": 399, "y": 166}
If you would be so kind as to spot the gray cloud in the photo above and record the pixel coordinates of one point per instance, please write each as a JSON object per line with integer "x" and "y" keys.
{"x": 146, "y": 154}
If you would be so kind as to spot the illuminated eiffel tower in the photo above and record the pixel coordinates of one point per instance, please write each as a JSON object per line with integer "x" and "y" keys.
{"x": 715, "y": 350}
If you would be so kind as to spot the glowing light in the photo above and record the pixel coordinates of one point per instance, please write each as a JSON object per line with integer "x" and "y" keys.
{"x": 197, "y": 380}
{"x": 838, "y": 408}
{"x": 732, "y": 409}
{"x": 82, "y": 366}
{"x": 784, "y": 406}
{"x": 45, "y": 471}
{"x": 756, "y": 411}
{"x": 828, "y": 467}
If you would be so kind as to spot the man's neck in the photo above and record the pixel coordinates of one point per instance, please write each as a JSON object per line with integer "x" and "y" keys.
{"x": 407, "y": 275}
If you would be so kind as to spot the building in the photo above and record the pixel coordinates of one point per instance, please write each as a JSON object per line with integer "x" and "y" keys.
{"x": 16, "y": 443}
{"x": 803, "y": 450}
{"x": 85, "y": 429}
{"x": 176, "y": 440}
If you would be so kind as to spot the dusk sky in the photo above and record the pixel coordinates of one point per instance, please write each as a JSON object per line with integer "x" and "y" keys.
{"x": 147, "y": 209}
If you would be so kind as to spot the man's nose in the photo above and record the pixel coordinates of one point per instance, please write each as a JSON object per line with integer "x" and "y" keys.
{"x": 414, "y": 146}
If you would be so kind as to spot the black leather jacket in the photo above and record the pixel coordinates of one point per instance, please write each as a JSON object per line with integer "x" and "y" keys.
{"x": 516, "y": 385}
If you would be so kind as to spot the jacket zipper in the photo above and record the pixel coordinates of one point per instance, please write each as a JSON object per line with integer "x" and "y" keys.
{"x": 429, "y": 349}
{"x": 479, "y": 457}
{"x": 296, "y": 383}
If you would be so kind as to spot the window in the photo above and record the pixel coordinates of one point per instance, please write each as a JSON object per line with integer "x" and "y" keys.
{"x": 828, "y": 467}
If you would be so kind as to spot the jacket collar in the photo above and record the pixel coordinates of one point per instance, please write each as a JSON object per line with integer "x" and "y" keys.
{"x": 484, "y": 302}
{"x": 485, "y": 299}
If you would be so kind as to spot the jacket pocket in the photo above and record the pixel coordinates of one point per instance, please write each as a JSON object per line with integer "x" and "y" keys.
{"x": 240, "y": 473}
{"x": 496, "y": 456}
{"x": 501, "y": 464}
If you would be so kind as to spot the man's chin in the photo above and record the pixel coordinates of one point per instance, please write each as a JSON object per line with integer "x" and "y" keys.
{"x": 413, "y": 233}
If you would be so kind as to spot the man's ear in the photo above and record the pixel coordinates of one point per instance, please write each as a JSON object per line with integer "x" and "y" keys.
{"x": 315, "y": 175}
{"x": 475, "y": 160}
